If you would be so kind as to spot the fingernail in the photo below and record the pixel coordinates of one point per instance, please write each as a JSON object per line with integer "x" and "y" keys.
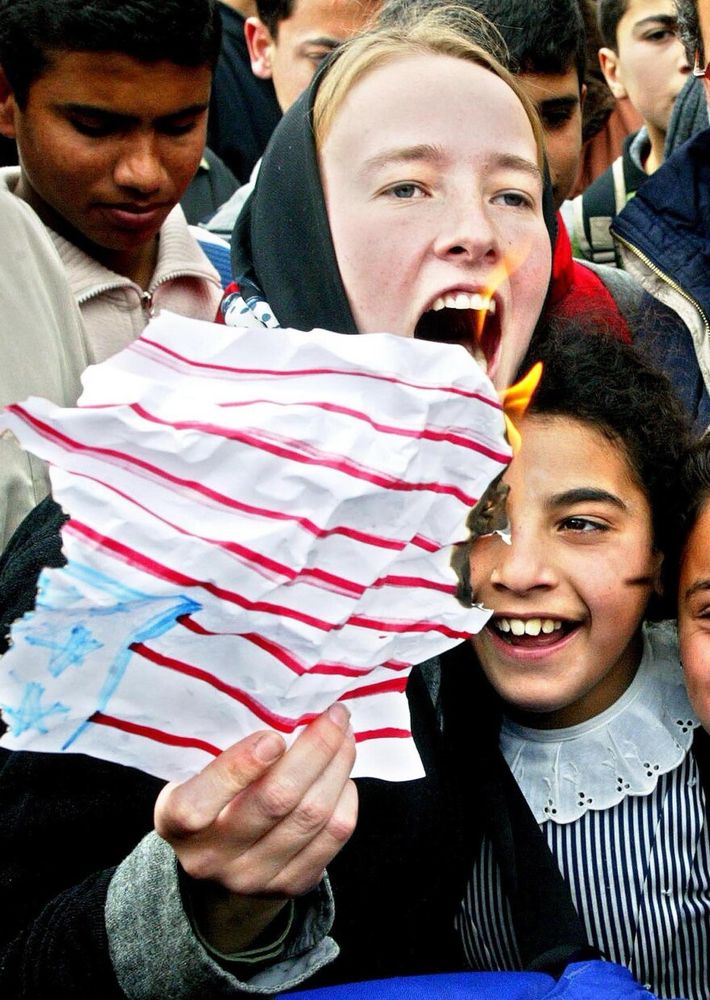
{"x": 268, "y": 748}
{"x": 339, "y": 715}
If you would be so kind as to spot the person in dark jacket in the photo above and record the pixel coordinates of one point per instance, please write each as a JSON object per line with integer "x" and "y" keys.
{"x": 664, "y": 241}
{"x": 243, "y": 108}
{"x": 643, "y": 60}
{"x": 227, "y": 895}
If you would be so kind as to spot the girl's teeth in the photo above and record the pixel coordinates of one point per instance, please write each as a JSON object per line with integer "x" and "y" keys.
{"x": 462, "y": 300}
{"x": 531, "y": 626}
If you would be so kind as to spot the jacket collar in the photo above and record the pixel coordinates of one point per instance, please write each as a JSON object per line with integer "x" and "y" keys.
{"x": 179, "y": 254}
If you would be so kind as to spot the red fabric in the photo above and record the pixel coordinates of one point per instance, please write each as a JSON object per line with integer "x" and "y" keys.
{"x": 576, "y": 291}
{"x": 231, "y": 288}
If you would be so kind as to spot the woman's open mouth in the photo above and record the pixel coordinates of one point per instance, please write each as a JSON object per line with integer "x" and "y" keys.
{"x": 469, "y": 319}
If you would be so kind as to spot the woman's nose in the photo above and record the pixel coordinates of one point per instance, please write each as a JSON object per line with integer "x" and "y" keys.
{"x": 467, "y": 232}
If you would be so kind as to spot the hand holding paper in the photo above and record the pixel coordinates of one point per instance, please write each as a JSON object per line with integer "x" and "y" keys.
{"x": 260, "y": 822}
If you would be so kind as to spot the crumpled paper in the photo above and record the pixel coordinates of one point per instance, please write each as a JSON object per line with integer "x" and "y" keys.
{"x": 262, "y": 522}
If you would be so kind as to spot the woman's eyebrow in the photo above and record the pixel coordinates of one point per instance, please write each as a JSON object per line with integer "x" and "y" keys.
{"x": 511, "y": 161}
{"x": 425, "y": 152}
{"x": 585, "y": 494}
{"x": 403, "y": 154}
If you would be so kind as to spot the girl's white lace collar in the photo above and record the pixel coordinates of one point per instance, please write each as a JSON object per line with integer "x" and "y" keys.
{"x": 563, "y": 773}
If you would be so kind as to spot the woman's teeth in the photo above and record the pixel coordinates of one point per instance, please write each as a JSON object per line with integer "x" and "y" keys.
{"x": 461, "y": 300}
{"x": 531, "y": 626}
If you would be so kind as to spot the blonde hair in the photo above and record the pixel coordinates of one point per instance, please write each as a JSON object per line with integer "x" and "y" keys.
{"x": 450, "y": 30}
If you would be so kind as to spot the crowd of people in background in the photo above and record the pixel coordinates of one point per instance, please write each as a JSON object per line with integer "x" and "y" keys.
{"x": 364, "y": 166}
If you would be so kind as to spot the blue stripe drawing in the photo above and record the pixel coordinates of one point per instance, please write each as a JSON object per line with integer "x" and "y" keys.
{"x": 69, "y": 656}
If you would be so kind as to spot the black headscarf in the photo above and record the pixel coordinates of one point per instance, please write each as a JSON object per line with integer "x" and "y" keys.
{"x": 282, "y": 249}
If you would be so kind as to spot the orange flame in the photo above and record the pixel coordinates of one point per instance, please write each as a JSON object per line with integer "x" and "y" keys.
{"x": 501, "y": 272}
{"x": 516, "y": 400}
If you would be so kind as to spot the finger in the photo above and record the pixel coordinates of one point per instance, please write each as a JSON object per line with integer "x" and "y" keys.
{"x": 255, "y": 865}
{"x": 314, "y": 809}
{"x": 185, "y": 809}
{"x": 267, "y": 802}
{"x": 305, "y": 870}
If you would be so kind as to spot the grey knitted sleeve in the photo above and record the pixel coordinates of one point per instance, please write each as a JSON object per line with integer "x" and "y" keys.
{"x": 154, "y": 950}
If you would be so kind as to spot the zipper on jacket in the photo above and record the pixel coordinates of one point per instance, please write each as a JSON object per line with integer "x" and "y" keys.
{"x": 184, "y": 272}
{"x": 664, "y": 277}
{"x": 93, "y": 293}
{"x": 146, "y": 298}
{"x": 147, "y": 303}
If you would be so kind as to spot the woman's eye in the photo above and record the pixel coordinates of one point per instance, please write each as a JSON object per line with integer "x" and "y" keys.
{"x": 513, "y": 199}
{"x": 404, "y": 191}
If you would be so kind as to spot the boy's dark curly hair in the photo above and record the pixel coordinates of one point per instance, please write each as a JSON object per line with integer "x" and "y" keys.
{"x": 188, "y": 34}
{"x": 549, "y": 42}
{"x": 594, "y": 378}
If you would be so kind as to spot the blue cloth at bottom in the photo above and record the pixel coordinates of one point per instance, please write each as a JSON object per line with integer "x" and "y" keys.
{"x": 580, "y": 981}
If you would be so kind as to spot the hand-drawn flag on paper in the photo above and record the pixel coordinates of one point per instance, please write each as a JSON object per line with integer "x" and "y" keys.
{"x": 261, "y": 523}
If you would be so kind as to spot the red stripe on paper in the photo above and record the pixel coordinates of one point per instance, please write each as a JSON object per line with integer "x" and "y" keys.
{"x": 300, "y": 372}
{"x": 301, "y": 452}
{"x": 151, "y": 733}
{"x": 47, "y": 431}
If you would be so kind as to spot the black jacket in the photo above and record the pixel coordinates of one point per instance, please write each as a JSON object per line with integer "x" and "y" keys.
{"x": 243, "y": 108}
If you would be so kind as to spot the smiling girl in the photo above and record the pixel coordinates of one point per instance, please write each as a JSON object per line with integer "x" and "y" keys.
{"x": 595, "y": 727}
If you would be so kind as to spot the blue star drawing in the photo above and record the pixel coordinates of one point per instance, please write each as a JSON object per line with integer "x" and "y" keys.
{"x": 30, "y": 713}
{"x": 69, "y": 647}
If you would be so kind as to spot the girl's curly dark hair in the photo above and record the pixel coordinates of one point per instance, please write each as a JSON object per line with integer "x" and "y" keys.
{"x": 595, "y": 378}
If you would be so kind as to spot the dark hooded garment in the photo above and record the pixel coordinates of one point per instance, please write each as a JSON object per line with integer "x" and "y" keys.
{"x": 282, "y": 248}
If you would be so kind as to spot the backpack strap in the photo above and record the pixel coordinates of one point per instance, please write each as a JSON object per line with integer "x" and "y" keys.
{"x": 620, "y": 186}
{"x": 593, "y": 213}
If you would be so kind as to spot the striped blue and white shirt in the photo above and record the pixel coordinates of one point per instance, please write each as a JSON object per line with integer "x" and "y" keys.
{"x": 639, "y": 877}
